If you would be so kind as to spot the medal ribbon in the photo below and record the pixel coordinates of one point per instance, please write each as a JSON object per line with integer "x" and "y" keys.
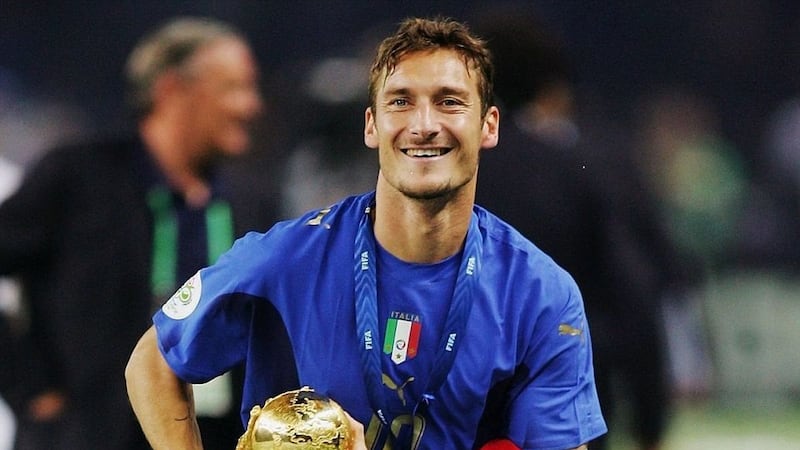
{"x": 164, "y": 262}
{"x": 366, "y": 291}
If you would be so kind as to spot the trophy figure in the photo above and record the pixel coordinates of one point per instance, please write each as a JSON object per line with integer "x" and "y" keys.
{"x": 299, "y": 419}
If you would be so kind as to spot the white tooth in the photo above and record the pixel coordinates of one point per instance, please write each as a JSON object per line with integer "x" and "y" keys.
{"x": 424, "y": 152}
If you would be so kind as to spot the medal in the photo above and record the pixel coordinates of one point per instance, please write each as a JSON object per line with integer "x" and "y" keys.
{"x": 367, "y": 315}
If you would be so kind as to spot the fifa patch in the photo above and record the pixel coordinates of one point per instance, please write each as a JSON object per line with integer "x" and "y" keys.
{"x": 185, "y": 300}
{"x": 402, "y": 336}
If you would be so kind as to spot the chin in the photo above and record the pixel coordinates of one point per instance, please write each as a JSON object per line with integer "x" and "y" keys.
{"x": 446, "y": 189}
{"x": 235, "y": 142}
{"x": 237, "y": 151}
{"x": 235, "y": 148}
{"x": 433, "y": 193}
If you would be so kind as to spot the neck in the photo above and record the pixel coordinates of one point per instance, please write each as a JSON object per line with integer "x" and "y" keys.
{"x": 173, "y": 156}
{"x": 421, "y": 231}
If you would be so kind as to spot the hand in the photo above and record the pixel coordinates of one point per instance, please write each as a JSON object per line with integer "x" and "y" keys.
{"x": 47, "y": 406}
{"x": 359, "y": 443}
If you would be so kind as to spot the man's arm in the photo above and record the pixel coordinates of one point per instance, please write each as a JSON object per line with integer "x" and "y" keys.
{"x": 163, "y": 403}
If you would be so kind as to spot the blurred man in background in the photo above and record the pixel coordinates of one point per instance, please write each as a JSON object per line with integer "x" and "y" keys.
{"x": 577, "y": 198}
{"x": 73, "y": 233}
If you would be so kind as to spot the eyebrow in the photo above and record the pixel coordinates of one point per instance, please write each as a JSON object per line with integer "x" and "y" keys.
{"x": 397, "y": 91}
{"x": 447, "y": 90}
{"x": 443, "y": 91}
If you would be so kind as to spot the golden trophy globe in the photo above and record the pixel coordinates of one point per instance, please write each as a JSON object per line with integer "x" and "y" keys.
{"x": 299, "y": 419}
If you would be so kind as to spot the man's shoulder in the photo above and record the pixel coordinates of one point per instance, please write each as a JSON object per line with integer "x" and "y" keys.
{"x": 94, "y": 151}
{"x": 514, "y": 255}
{"x": 501, "y": 232}
{"x": 319, "y": 241}
{"x": 336, "y": 220}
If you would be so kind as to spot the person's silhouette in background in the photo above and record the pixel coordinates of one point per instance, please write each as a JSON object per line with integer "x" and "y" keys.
{"x": 577, "y": 198}
{"x": 99, "y": 230}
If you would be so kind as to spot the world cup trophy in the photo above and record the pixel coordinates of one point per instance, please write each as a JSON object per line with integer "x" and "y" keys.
{"x": 298, "y": 419}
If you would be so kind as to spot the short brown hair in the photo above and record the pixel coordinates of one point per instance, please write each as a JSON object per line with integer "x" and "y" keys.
{"x": 418, "y": 34}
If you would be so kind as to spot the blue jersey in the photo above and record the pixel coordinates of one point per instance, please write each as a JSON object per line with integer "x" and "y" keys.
{"x": 523, "y": 369}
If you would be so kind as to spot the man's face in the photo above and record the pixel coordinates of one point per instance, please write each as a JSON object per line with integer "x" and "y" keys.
{"x": 427, "y": 125}
{"x": 222, "y": 97}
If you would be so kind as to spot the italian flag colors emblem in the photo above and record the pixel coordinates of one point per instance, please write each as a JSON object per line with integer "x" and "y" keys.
{"x": 402, "y": 338}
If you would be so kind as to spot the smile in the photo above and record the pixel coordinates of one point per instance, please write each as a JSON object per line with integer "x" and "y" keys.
{"x": 425, "y": 152}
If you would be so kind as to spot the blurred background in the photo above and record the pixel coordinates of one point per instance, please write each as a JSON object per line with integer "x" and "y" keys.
{"x": 702, "y": 96}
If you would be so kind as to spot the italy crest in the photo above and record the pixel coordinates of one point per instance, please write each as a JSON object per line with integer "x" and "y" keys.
{"x": 402, "y": 336}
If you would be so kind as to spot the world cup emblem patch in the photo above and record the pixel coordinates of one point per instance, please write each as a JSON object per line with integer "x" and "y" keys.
{"x": 185, "y": 300}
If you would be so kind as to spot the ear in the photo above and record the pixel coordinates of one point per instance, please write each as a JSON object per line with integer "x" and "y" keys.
{"x": 370, "y": 133}
{"x": 491, "y": 128}
{"x": 165, "y": 85}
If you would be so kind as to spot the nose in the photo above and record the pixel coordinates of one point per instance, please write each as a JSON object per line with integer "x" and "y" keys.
{"x": 253, "y": 105}
{"x": 425, "y": 122}
{"x": 244, "y": 101}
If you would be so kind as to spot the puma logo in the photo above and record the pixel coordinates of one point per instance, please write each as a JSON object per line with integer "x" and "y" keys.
{"x": 565, "y": 329}
{"x": 393, "y": 386}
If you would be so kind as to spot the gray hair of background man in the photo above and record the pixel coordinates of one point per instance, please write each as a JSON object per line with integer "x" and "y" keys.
{"x": 168, "y": 47}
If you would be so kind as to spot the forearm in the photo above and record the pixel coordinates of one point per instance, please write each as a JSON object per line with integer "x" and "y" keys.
{"x": 162, "y": 402}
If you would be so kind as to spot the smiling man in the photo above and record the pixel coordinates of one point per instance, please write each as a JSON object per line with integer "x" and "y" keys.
{"x": 433, "y": 323}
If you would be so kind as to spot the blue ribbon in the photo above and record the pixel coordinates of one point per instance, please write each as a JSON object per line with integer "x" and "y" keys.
{"x": 366, "y": 292}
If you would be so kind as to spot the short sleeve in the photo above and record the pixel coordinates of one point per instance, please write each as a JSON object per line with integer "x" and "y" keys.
{"x": 556, "y": 406}
{"x": 203, "y": 328}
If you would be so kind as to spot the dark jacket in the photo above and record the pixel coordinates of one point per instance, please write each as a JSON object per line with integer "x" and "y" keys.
{"x": 79, "y": 234}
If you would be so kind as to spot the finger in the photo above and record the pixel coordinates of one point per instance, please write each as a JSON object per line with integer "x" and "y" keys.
{"x": 358, "y": 433}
